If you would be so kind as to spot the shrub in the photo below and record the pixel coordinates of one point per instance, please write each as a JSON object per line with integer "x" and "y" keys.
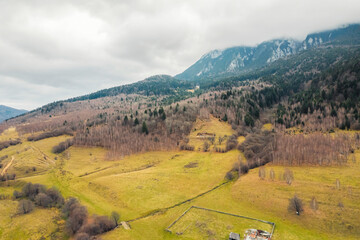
{"x": 17, "y": 194}
{"x": 295, "y": 205}
{"x": 61, "y": 147}
{"x": 231, "y": 143}
{"x": 244, "y": 168}
{"x": 115, "y": 217}
{"x": 272, "y": 174}
{"x": 230, "y": 176}
{"x": 68, "y": 206}
{"x": 31, "y": 190}
{"x": 187, "y": 147}
{"x": 57, "y": 199}
{"x": 313, "y": 204}
{"x": 25, "y": 206}
{"x": 98, "y": 225}
{"x": 206, "y": 146}
{"x": 262, "y": 173}
{"x": 55, "y": 133}
{"x": 77, "y": 217}
{"x": 42, "y": 200}
{"x": 288, "y": 176}
{"x": 7, "y": 177}
{"x": 82, "y": 236}
{"x": 9, "y": 143}
{"x": 337, "y": 182}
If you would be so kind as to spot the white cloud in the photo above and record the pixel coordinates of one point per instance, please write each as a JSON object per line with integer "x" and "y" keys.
{"x": 53, "y": 50}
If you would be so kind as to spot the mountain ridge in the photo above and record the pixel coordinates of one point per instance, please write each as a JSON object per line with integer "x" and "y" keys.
{"x": 9, "y": 112}
{"x": 238, "y": 59}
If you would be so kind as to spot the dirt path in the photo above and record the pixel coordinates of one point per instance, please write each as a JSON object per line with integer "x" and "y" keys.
{"x": 7, "y": 166}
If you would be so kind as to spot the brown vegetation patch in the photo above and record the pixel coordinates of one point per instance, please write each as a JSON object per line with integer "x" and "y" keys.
{"x": 314, "y": 149}
{"x": 191, "y": 165}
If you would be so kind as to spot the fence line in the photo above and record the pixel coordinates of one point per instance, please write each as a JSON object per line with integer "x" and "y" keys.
{"x": 225, "y": 213}
{"x": 177, "y": 204}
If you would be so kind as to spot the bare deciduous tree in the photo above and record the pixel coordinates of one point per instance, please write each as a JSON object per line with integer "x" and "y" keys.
{"x": 272, "y": 174}
{"x": 314, "y": 204}
{"x": 295, "y": 205}
{"x": 288, "y": 176}
{"x": 115, "y": 216}
{"x": 25, "y": 206}
{"x": 206, "y": 146}
{"x": 262, "y": 173}
{"x": 337, "y": 182}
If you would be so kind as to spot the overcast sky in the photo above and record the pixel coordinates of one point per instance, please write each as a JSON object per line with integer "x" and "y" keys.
{"x": 53, "y": 50}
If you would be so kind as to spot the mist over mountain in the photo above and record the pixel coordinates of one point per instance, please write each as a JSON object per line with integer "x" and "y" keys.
{"x": 235, "y": 60}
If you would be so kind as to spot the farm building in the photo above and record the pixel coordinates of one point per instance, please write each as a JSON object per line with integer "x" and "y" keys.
{"x": 254, "y": 234}
{"x": 205, "y": 135}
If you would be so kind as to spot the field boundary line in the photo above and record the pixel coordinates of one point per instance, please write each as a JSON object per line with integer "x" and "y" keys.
{"x": 177, "y": 204}
{"x": 221, "y": 212}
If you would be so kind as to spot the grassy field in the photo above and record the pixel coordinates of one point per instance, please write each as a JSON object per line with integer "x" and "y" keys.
{"x": 153, "y": 182}
{"x": 40, "y": 224}
{"x": 212, "y": 126}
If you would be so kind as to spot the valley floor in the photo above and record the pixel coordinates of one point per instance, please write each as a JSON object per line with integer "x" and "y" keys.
{"x": 142, "y": 187}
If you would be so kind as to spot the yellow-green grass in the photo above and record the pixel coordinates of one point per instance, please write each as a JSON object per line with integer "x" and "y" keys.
{"x": 41, "y": 223}
{"x": 221, "y": 199}
{"x": 141, "y": 183}
{"x": 267, "y": 127}
{"x": 330, "y": 220}
{"x": 212, "y": 126}
{"x": 9, "y": 134}
{"x": 205, "y": 224}
{"x": 167, "y": 183}
{"x": 134, "y": 186}
{"x": 82, "y": 161}
{"x": 30, "y": 155}
{"x": 268, "y": 200}
{"x": 240, "y": 139}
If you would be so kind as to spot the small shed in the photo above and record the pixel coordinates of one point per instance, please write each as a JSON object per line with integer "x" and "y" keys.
{"x": 234, "y": 236}
{"x": 205, "y": 135}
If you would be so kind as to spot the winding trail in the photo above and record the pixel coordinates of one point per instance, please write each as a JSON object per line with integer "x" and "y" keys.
{"x": 7, "y": 166}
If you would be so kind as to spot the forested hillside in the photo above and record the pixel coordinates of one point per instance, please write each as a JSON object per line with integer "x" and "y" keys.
{"x": 317, "y": 89}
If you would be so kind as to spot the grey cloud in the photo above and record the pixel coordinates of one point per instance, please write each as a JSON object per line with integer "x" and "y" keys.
{"x": 53, "y": 50}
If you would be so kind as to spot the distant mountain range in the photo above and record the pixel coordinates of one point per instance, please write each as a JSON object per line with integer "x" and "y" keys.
{"x": 218, "y": 66}
{"x": 8, "y": 112}
{"x": 235, "y": 60}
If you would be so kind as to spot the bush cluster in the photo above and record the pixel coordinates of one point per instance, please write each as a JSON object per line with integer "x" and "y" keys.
{"x": 9, "y": 143}
{"x": 61, "y": 147}
{"x": 40, "y": 195}
{"x": 6, "y": 177}
{"x": 55, "y": 133}
{"x": 78, "y": 222}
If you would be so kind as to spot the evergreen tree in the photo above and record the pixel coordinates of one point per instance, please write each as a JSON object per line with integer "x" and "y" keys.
{"x": 126, "y": 119}
{"x": 163, "y": 116}
{"x": 225, "y": 118}
{"x": 144, "y": 128}
{"x": 161, "y": 110}
{"x": 136, "y": 122}
{"x": 249, "y": 121}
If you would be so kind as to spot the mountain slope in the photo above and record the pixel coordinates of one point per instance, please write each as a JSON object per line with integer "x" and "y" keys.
{"x": 8, "y": 112}
{"x": 156, "y": 85}
{"x": 238, "y": 59}
{"x": 235, "y": 60}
